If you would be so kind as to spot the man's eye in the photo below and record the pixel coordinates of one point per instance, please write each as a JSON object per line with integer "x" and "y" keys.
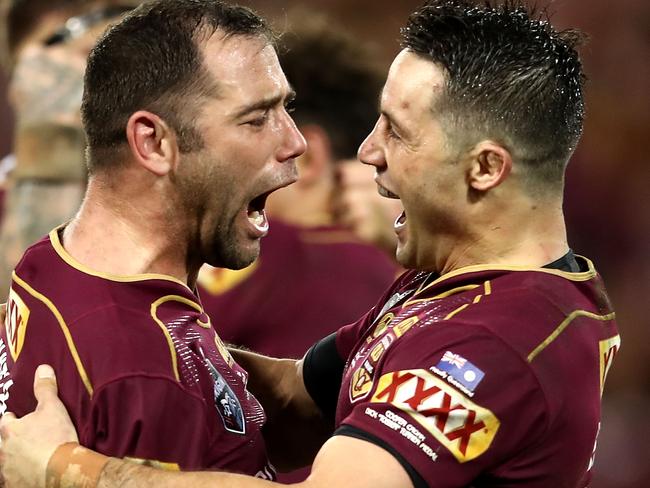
{"x": 391, "y": 133}
{"x": 290, "y": 108}
{"x": 259, "y": 121}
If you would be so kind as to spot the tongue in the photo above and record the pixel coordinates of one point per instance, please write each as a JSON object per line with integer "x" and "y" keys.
{"x": 258, "y": 219}
{"x": 400, "y": 221}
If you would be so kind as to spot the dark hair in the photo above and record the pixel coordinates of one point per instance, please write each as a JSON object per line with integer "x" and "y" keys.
{"x": 509, "y": 76}
{"x": 151, "y": 60}
{"x": 336, "y": 81}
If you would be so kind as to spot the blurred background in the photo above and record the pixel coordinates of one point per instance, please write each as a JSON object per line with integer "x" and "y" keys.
{"x": 608, "y": 189}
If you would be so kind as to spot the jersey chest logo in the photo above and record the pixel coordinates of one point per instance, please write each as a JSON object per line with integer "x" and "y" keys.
{"x": 608, "y": 349}
{"x": 364, "y": 363}
{"x": 16, "y": 323}
{"x": 226, "y": 401}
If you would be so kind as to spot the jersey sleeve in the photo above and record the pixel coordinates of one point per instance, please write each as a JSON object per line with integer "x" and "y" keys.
{"x": 451, "y": 402}
{"x": 150, "y": 419}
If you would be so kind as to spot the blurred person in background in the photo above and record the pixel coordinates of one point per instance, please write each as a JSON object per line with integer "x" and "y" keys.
{"x": 313, "y": 275}
{"x": 45, "y": 50}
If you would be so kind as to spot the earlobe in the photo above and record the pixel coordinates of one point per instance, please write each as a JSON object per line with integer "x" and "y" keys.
{"x": 152, "y": 143}
{"x": 491, "y": 165}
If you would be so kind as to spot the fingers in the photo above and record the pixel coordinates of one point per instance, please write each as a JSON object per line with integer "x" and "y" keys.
{"x": 45, "y": 388}
{"x": 3, "y": 313}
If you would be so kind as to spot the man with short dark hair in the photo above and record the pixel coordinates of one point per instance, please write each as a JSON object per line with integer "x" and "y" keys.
{"x": 484, "y": 365}
{"x": 184, "y": 112}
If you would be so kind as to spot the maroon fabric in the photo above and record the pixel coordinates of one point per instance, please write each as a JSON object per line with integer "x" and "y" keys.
{"x": 159, "y": 383}
{"x": 485, "y": 377}
{"x": 305, "y": 285}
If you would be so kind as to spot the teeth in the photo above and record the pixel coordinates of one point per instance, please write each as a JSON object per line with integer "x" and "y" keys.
{"x": 258, "y": 219}
{"x": 400, "y": 221}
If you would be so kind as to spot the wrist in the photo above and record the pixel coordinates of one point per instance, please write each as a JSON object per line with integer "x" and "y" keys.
{"x": 74, "y": 466}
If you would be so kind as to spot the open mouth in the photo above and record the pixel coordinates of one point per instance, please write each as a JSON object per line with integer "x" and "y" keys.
{"x": 256, "y": 214}
{"x": 400, "y": 222}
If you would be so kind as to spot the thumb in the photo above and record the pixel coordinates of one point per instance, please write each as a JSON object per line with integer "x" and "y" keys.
{"x": 45, "y": 388}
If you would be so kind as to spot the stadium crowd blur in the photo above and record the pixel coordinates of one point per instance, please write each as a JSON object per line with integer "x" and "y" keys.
{"x": 608, "y": 202}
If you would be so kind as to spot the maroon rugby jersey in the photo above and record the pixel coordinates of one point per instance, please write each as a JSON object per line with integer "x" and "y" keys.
{"x": 485, "y": 377}
{"x": 139, "y": 366}
{"x": 306, "y": 284}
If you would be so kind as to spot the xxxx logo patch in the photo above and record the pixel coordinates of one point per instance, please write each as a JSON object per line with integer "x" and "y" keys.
{"x": 464, "y": 428}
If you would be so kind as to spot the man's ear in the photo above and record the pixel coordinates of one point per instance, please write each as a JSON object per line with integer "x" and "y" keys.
{"x": 317, "y": 159}
{"x": 490, "y": 165}
{"x": 152, "y": 142}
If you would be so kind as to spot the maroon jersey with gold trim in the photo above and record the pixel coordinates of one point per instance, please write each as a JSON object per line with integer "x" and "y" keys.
{"x": 139, "y": 366}
{"x": 306, "y": 284}
{"x": 483, "y": 377}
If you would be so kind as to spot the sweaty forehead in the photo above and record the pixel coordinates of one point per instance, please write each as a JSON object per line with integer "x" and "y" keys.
{"x": 412, "y": 82}
{"x": 243, "y": 66}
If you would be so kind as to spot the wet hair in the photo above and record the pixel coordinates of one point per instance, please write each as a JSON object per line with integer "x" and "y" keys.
{"x": 336, "y": 80}
{"x": 510, "y": 77}
{"x": 152, "y": 61}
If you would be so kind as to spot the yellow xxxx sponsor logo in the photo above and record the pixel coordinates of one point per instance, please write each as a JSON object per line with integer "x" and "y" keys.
{"x": 464, "y": 428}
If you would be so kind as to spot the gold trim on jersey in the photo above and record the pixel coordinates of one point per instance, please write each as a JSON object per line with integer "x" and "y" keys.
{"x": 163, "y": 327}
{"x": 152, "y": 463}
{"x": 63, "y": 254}
{"x": 64, "y": 328}
{"x": 217, "y": 281}
{"x": 563, "y": 325}
{"x": 581, "y": 276}
{"x": 444, "y": 294}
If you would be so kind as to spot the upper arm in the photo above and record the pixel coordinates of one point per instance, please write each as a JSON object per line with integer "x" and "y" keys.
{"x": 356, "y": 463}
{"x": 140, "y": 417}
{"x": 452, "y": 403}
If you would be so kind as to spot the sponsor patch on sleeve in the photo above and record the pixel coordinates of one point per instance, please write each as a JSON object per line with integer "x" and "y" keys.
{"x": 463, "y": 427}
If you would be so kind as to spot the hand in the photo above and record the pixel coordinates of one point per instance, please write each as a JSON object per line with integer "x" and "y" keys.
{"x": 357, "y": 206}
{"x": 28, "y": 443}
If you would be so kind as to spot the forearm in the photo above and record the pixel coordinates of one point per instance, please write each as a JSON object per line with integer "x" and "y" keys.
{"x": 33, "y": 208}
{"x": 73, "y": 466}
{"x": 295, "y": 427}
{"x": 123, "y": 474}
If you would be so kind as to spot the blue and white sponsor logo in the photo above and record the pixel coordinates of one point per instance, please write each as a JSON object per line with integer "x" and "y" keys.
{"x": 460, "y": 370}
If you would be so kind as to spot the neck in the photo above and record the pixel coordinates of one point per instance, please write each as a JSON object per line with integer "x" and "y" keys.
{"x": 123, "y": 230}
{"x": 533, "y": 236}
